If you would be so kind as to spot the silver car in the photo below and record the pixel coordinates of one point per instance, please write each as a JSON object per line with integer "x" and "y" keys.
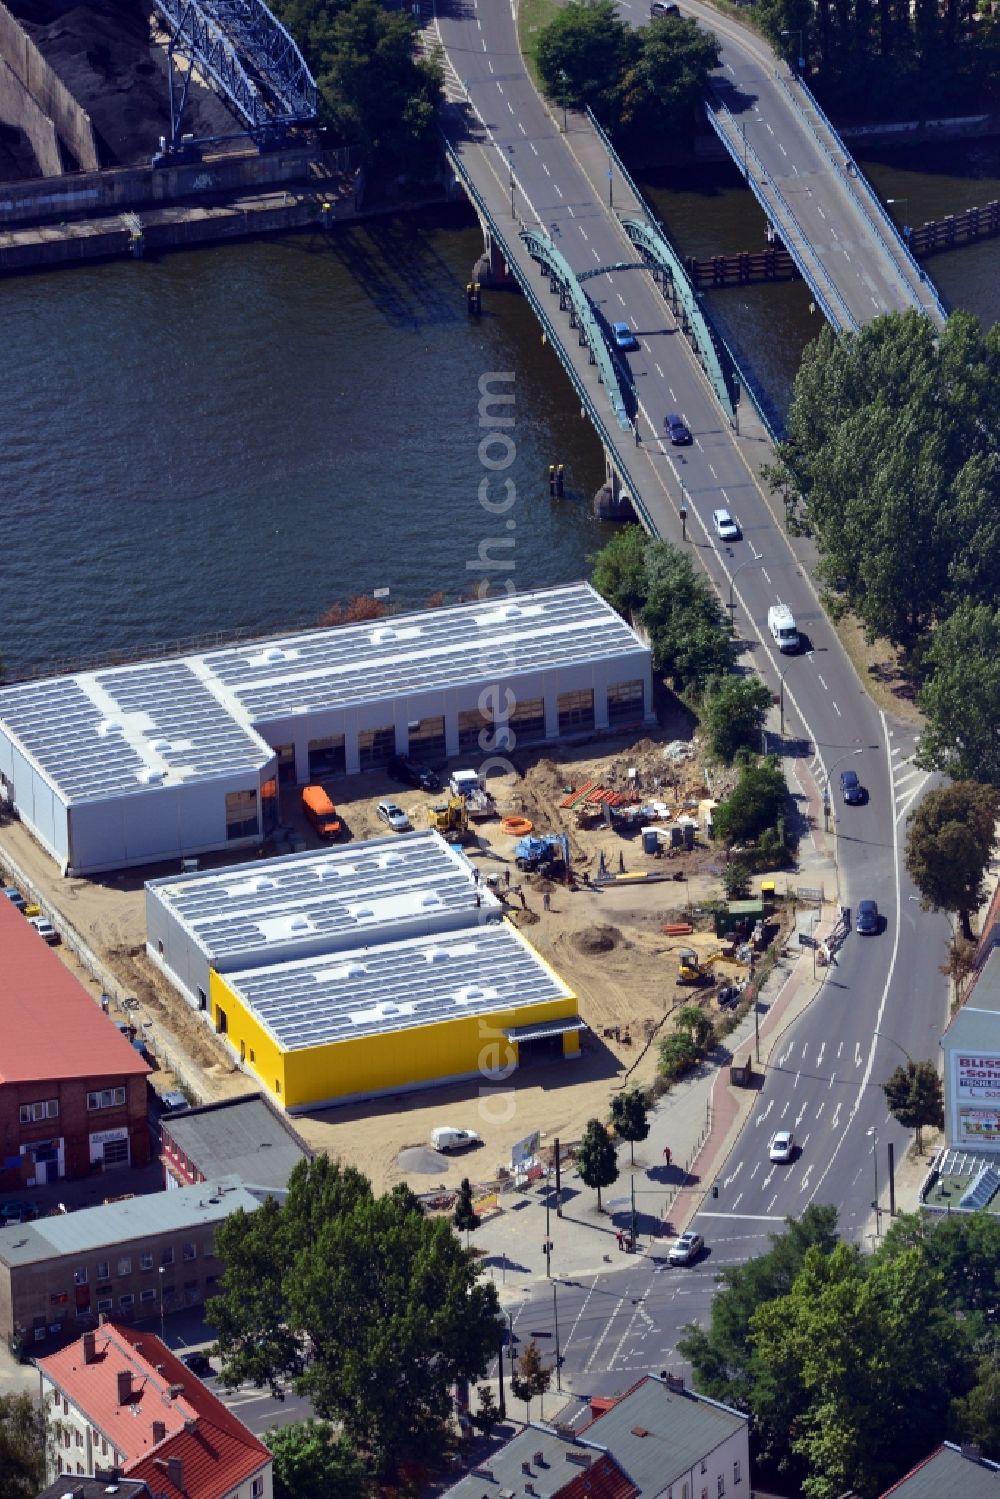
{"x": 725, "y": 526}
{"x": 394, "y": 816}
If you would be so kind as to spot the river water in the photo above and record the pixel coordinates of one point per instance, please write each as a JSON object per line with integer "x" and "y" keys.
{"x": 240, "y": 437}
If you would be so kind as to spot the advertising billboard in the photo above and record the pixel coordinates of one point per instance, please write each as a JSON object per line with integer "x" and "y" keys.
{"x": 975, "y": 1089}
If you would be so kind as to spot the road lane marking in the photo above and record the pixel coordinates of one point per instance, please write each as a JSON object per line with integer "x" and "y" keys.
{"x": 764, "y": 575}
{"x": 747, "y": 1217}
{"x": 821, "y": 681}
{"x": 711, "y": 469}
{"x": 836, "y": 710}
{"x": 558, "y": 189}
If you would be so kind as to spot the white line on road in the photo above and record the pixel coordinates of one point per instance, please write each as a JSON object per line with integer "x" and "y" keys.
{"x": 534, "y": 147}
{"x": 836, "y": 710}
{"x": 747, "y": 1217}
{"x": 782, "y": 149}
{"x": 857, "y": 1053}
{"x": 711, "y": 469}
{"x": 821, "y": 682}
{"x": 764, "y": 575}
{"x": 820, "y": 212}
{"x": 621, "y": 299}
{"x": 671, "y": 390}
{"x": 521, "y": 128}
{"x": 584, "y": 232}
{"x": 491, "y": 64}
{"x": 558, "y": 189}
{"x": 756, "y": 555}
{"x": 658, "y": 371}
{"x": 569, "y": 210}
{"x": 545, "y": 167}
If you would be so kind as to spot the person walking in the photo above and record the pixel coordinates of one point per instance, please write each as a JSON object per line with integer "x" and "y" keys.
{"x": 666, "y": 1154}
{"x": 546, "y": 901}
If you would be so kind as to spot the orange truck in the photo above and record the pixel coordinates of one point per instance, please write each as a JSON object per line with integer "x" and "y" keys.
{"x": 321, "y": 812}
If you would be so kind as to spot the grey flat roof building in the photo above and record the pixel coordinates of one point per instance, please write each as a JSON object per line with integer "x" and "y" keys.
{"x": 320, "y": 901}
{"x": 949, "y": 1470}
{"x": 192, "y": 744}
{"x": 243, "y": 1137}
{"x": 397, "y": 986}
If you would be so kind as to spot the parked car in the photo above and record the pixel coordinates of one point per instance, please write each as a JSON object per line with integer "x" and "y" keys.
{"x": 199, "y": 1364}
{"x": 685, "y": 1249}
{"x": 45, "y": 929}
{"x": 782, "y": 1146}
{"x": 446, "y": 1138}
{"x": 409, "y": 773}
{"x": 677, "y": 430}
{"x": 851, "y": 788}
{"x": 867, "y": 922}
{"x": 396, "y": 818}
{"x": 659, "y": 8}
{"x": 15, "y": 897}
{"x": 725, "y": 526}
{"x": 174, "y": 1103}
{"x": 624, "y": 337}
{"x": 17, "y": 1212}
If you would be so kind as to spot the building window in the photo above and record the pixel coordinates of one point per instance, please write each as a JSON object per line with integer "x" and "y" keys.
{"x": 104, "y": 1289}
{"x": 146, "y": 1260}
{"x": 103, "y": 1269}
{"x": 626, "y": 703}
{"x": 202, "y": 999}
{"x": 471, "y": 722}
{"x": 576, "y": 711}
{"x": 257, "y": 1488}
{"x": 125, "y": 1265}
{"x": 704, "y": 1465}
{"x": 34, "y": 1113}
{"x": 190, "y": 1251}
{"x": 241, "y": 815}
{"x": 736, "y": 1472}
{"x": 59, "y": 1298}
{"x": 722, "y": 1486}
{"x": 80, "y": 1275}
{"x": 78, "y": 1438}
{"x": 167, "y": 1257}
{"x": 327, "y": 757}
{"x": 149, "y": 1294}
{"x": 79, "y": 1467}
{"x": 108, "y": 1098}
{"x": 126, "y": 1303}
{"x": 105, "y": 1303}
{"x": 376, "y": 746}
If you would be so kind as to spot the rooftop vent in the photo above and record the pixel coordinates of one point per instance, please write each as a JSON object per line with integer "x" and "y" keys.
{"x": 331, "y": 870}
{"x": 161, "y": 746}
{"x": 108, "y": 727}
{"x": 252, "y": 886}
{"x": 382, "y": 634}
{"x": 499, "y": 616}
{"x": 436, "y": 955}
{"x": 430, "y": 898}
{"x": 150, "y": 776}
{"x": 159, "y": 1431}
{"x": 352, "y": 970}
{"x": 299, "y": 924}
{"x": 470, "y": 994}
{"x": 639, "y": 1431}
{"x": 270, "y": 656}
{"x": 389, "y": 858}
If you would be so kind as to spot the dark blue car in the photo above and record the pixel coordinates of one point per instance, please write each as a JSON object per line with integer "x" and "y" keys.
{"x": 851, "y": 788}
{"x": 867, "y": 922}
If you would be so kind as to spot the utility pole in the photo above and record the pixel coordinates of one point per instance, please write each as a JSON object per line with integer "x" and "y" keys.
{"x": 555, "y": 1318}
{"x": 633, "y": 1215}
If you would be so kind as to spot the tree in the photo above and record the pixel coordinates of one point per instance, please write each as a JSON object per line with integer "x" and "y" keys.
{"x": 465, "y": 1217}
{"x": 628, "y": 1112}
{"x": 362, "y": 1303}
{"x": 22, "y": 1447}
{"x": 698, "y": 1025}
{"x": 671, "y": 76}
{"x": 585, "y": 53}
{"x": 975, "y": 1417}
{"x": 964, "y": 1248}
{"x": 949, "y": 842}
{"x": 596, "y": 1161}
{"x": 756, "y": 803}
{"x": 618, "y": 570}
{"x": 531, "y": 1378}
{"x": 689, "y": 637}
{"x": 736, "y": 879}
{"x": 721, "y": 1353}
{"x": 733, "y": 714}
{"x": 486, "y": 1417}
{"x": 961, "y": 696}
{"x": 915, "y": 1097}
{"x": 853, "y": 1369}
{"x": 312, "y": 1462}
{"x": 678, "y": 1054}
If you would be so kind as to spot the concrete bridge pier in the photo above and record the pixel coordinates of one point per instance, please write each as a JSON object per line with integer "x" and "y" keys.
{"x": 612, "y": 502}
{"x": 491, "y": 269}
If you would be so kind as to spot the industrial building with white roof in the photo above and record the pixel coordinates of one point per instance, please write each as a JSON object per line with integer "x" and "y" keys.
{"x": 373, "y": 968}
{"x": 135, "y": 764}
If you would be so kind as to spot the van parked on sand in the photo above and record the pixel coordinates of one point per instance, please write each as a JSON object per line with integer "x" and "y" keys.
{"x": 321, "y": 812}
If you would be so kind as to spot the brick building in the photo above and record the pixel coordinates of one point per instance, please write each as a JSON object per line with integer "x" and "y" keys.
{"x": 123, "y": 1404}
{"x": 73, "y": 1091}
{"x": 127, "y": 1259}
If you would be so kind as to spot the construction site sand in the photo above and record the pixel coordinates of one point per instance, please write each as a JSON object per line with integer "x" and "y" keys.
{"x": 608, "y": 946}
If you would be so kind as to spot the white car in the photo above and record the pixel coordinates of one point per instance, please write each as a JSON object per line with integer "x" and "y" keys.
{"x": 725, "y": 526}
{"x": 782, "y": 1146}
{"x": 685, "y": 1249}
{"x": 44, "y": 928}
{"x": 394, "y": 816}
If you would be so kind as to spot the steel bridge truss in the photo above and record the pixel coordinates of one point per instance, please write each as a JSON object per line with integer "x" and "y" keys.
{"x": 675, "y": 284}
{"x": 574, "y": 299}
{"x": 246, "y": 54}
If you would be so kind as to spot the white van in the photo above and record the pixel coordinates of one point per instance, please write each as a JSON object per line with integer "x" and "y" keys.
{"x": 781, "y": 623}
{"x": 453, "y": 1139}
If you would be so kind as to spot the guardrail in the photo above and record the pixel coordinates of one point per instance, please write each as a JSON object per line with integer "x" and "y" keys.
{"x": 842, "y": 158}
{"x": 555, "y": 340}
{"x": 739, "y": 147}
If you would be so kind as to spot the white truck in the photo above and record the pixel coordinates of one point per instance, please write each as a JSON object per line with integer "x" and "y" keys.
{"x": 446, "y": 1138}
{"x": 781, "y": 623}
{"x": 468, "y": 784}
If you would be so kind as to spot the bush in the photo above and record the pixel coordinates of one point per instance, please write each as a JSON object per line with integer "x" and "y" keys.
{"x": 755, "y": 807}
{"x": 733, "y": 714}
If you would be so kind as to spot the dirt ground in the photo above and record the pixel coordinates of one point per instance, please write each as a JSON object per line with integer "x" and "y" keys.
{"x": 606, "y": 943}
{"x": 111, "y": 56}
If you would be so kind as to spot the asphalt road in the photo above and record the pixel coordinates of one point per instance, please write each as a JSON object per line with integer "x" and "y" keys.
{"x": 885, "y": 996}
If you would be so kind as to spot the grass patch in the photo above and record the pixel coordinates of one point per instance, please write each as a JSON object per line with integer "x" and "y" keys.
{"x": 882, "y": 670}
{"x": 532, "y": 17}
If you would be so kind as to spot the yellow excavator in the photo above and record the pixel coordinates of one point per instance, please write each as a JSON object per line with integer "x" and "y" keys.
{"x": 692, "y": 969}
{"x": 451, "y": 820}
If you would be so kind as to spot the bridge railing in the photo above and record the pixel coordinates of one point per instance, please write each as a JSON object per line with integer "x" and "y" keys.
{"x": 552, "y": 333}
{"x": 737, "y": 144}
{"x": 898, "y": 244}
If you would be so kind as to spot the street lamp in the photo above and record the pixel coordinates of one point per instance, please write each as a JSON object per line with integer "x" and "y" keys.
{"x": 563, "y": 80}
{"x": 905, "y": 202}
{"x": 781, "y": 701}
{"x": 732, "y": 579}
{"x": 893, "y": 1042}
{"x": 510, "y": 167}
{"x": 163, "y": 1334}
{"x": 797, "y": 31}
{"x": 746, "y": 174}
{"x": 873, "y": 1136}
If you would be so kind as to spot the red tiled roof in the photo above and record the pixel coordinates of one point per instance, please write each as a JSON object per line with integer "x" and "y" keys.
{"x": 216, "y": 1450}
{"x": 602, "y": 1480}
{"x": 52, "y": 1029}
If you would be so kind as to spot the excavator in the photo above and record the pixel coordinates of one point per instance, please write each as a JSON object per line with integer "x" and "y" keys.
{"x": 451, "y": 820}
{"x": 692, "y": 969}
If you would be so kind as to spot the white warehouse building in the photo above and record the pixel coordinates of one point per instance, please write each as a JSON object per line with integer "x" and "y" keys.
{"x": 137, "y": 764}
